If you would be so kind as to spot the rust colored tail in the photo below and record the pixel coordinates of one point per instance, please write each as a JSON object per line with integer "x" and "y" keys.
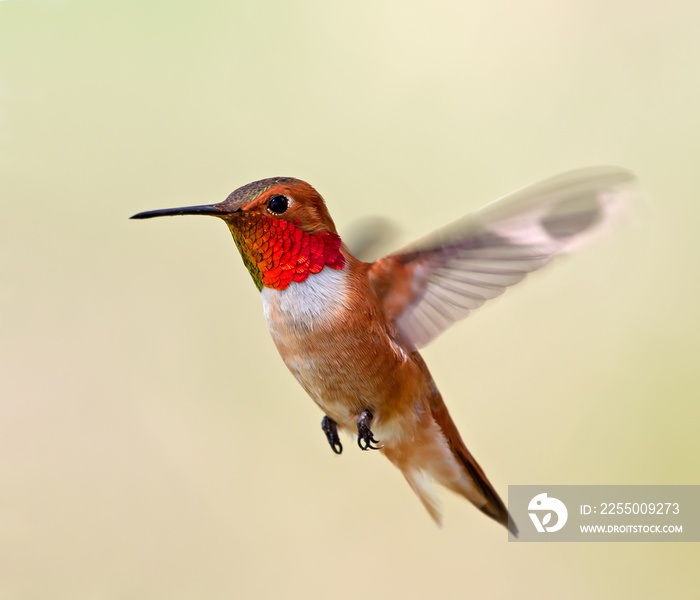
{"x": 490, "y": 503}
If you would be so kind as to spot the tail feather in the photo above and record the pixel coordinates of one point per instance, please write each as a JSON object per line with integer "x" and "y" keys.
{"x": 421, "y": 484}
{"x": 490, "y": 504}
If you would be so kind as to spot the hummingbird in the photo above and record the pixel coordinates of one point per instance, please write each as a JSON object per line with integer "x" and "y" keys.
{"x": 350, "y": 331}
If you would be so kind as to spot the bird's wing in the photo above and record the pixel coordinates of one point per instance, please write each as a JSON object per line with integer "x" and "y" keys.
{"x": 439, "y": 280}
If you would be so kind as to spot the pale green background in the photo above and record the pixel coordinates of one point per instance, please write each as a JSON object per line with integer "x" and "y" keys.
{"x": 152, "y": 444}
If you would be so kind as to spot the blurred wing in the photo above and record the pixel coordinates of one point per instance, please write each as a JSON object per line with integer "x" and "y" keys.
{"x": 369, "y": 237}
{"x": 439, "y": 280}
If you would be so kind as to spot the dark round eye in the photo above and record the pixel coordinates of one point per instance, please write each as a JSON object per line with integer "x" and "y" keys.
{"x": 278, "y": 204}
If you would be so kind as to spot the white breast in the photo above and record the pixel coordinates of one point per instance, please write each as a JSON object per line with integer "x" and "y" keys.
{"x": 309, "y": 304}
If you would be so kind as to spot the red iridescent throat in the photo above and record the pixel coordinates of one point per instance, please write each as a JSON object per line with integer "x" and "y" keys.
{"x": 277, "y": 252}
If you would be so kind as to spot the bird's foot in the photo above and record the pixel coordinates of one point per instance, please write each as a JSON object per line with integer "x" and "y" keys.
{"x": 365, "y": 437}
{"x": 330, "y": 428}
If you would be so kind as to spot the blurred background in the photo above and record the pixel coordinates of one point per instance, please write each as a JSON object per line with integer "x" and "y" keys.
{"x": 152, "y": 443}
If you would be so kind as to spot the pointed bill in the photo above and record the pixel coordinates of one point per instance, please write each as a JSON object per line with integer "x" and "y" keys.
{"x": 213, "y": 210}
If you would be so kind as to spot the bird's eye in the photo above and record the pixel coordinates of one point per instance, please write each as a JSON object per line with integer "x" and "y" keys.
{"x": 278, "y": 204}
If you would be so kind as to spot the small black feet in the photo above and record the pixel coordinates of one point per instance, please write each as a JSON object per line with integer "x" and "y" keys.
{"x": 330, "y": 428}
{"x": 365, "y": 437}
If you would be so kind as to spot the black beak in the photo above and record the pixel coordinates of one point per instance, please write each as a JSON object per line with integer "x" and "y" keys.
{"x": 213, "y": 210}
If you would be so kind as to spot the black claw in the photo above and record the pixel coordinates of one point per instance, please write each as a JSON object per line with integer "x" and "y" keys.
{"x": 330, "y": 428}
{"x": 365, "y": 437}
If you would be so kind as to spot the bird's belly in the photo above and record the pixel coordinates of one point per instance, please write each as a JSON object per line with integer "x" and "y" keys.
{"x": 339, "y": 354}
{"x": 340, "y": 395}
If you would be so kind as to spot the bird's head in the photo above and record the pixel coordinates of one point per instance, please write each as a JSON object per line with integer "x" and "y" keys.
{"x": 281, "y": 227}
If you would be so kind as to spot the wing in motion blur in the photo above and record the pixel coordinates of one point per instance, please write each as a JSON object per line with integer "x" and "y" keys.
{"x": 439, "y": 280}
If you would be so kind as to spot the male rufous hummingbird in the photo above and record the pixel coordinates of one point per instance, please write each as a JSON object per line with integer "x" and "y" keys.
{"x": 349, "y": 331}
